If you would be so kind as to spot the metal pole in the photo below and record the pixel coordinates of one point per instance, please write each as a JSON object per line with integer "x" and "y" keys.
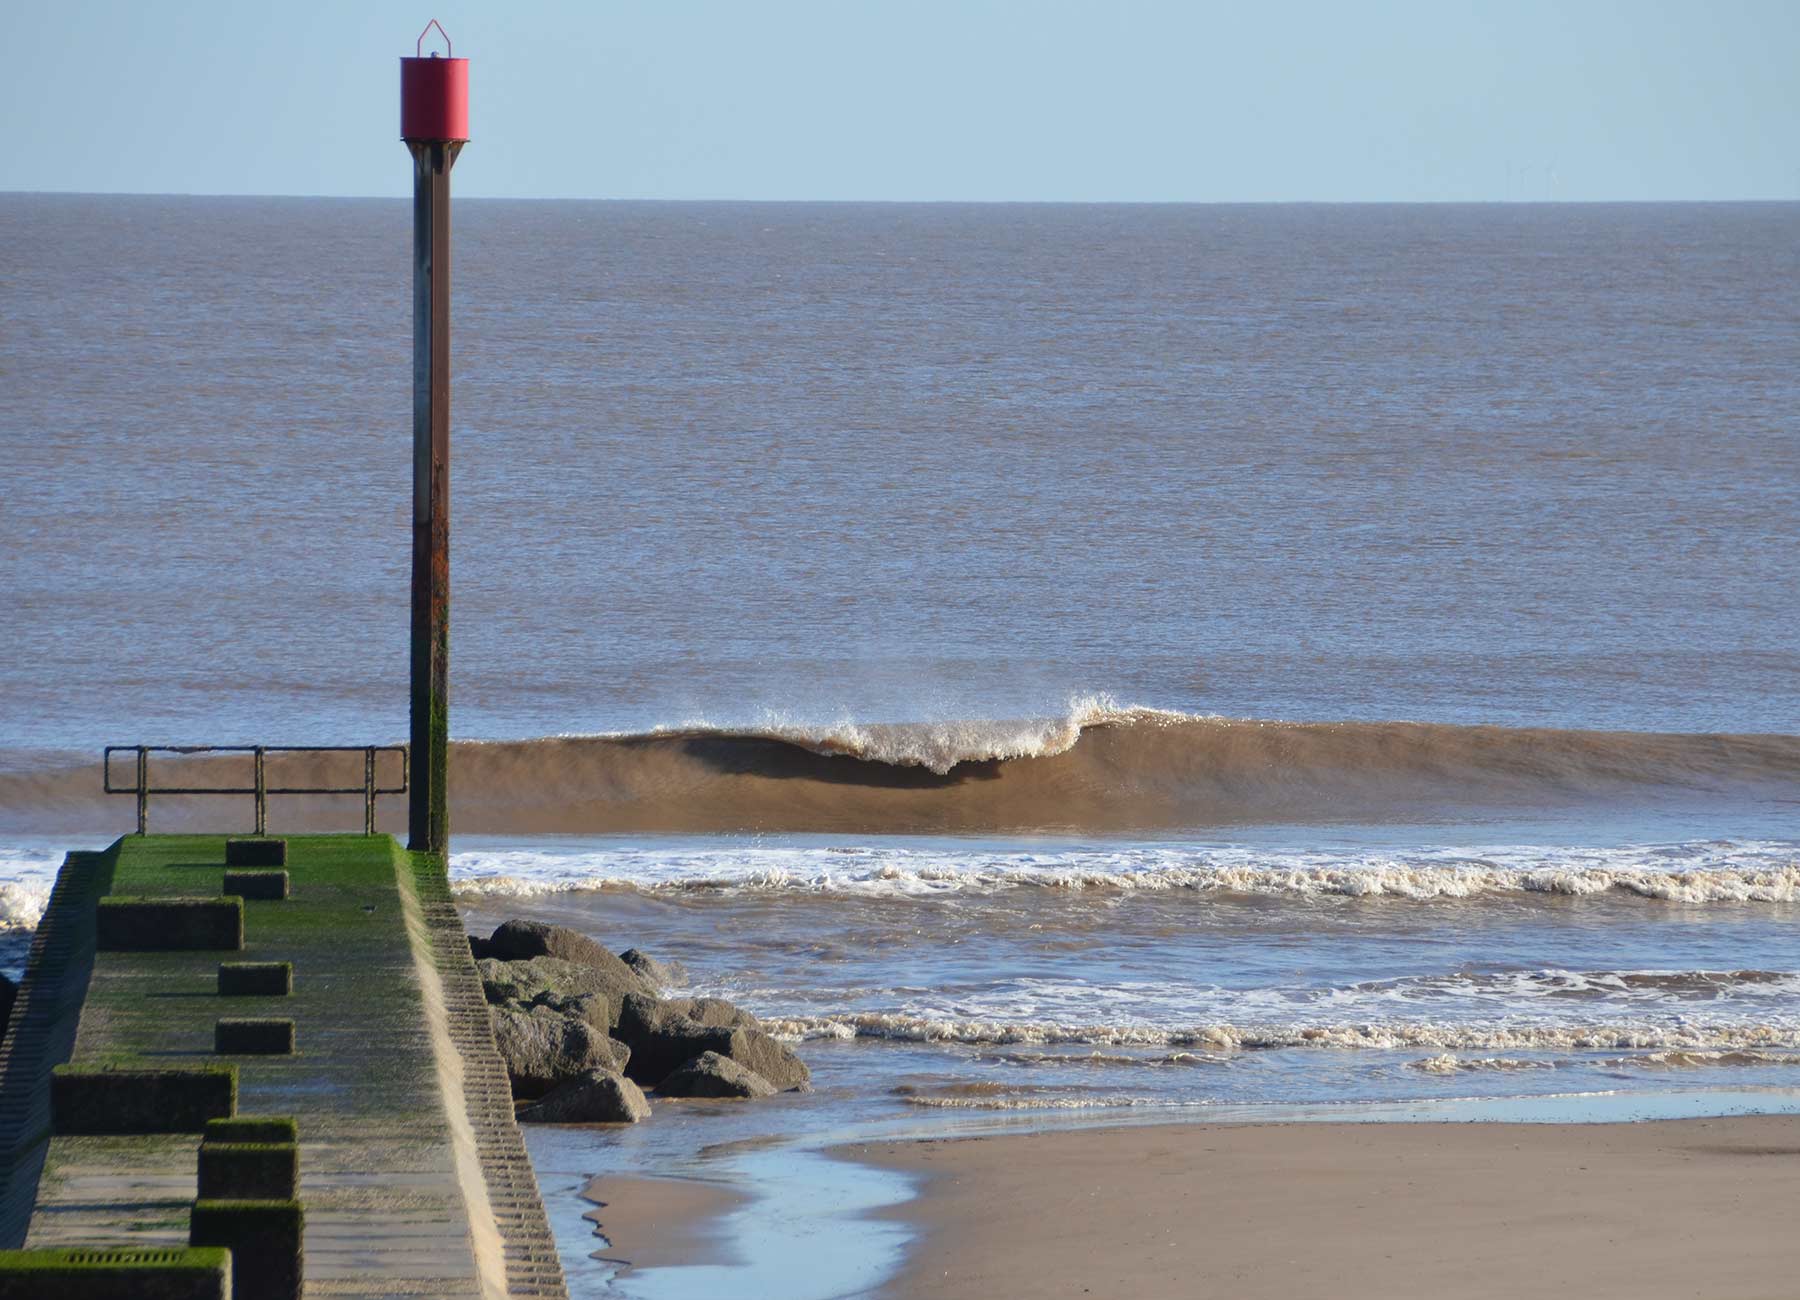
{"x": 428, "y": 821}
{"x": 369, "y": 791}
{"x": 262, "y": 795}
{"x": 143, "y": 790}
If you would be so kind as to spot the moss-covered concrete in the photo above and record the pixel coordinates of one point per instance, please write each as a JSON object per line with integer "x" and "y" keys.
{"x": 264, "y": 1240}
{"x": 193, "y": 1273}
{"x": 232, "y": 1171}
{"x": 127, "y": 1098}
{"x": 256, "y": 979}
{"x": 385, "y": 1181}
{"x": 257, "y": 884}
{"x": 252, "y": 1129}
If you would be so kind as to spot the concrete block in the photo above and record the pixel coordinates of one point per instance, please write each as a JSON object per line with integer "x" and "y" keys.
{"x": 176, "y": 1099}
{"x": 164, "y": 924}
{"x": 260, "y": 1171}
{"x": 151, "y": 1273}
{"x": 253, "y": 1037}
{"x": 257, "y": 884}
{"x": 253, "y": 979}
{"x": 256, "y": 853}
{"x": 264, "y": 1238}
{"x": 252, "y": 1128}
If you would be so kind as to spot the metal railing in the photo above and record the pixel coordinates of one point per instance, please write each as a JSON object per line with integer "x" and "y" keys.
{"x": 142, "y": 788}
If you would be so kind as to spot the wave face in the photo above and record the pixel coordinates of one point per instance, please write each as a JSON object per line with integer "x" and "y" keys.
{"x": 1100, "y": 768}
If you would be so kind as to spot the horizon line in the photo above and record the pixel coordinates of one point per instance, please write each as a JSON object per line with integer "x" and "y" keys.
{"x": 891, "y": 202}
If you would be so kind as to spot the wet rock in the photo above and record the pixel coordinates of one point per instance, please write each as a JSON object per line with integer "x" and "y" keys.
{"x": 543, "y": 1048}
{"x": 676, "y": 1040}
{"x": 712, "y": 1075}
{"x": 591, "y": 1007}
{"x": 761, "y": 1054}
{"x": 658, "y": 975}
{"x": 9, "y": 994}
{"x": 594, "y": 1097}
{"x": 552, "y": 980}
{"x": 639, "y": 1015}
{"x": 523, "y": 979}
{"x": 523, "y": 940}
{"x": 479, "y": 947}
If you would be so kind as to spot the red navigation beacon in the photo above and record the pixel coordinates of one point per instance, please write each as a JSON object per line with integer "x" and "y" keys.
{"x": 434, "y": 93}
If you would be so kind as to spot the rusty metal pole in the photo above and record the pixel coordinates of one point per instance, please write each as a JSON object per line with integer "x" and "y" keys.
{"x": 434, "y": 122}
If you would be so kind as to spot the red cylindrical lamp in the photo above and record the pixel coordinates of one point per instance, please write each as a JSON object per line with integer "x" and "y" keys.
{"x": 434, "y": 94}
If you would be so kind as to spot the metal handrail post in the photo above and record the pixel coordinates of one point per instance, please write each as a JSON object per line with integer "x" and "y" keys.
{"x": 143, "y": 790}
{"x": 369, "y": 790}
{"x": 262, "y": 795}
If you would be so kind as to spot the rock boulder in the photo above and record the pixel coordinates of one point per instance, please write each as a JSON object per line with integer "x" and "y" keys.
{"x": 552, "y": 980}
{"x": 675, "y": 1040}
{"x": 593, "y": 1097}
{"x": 712, "y": 1075}
{"x": 640, "y": 1015}
{"x": 543, "y": 1048}
{"x": 659, "y": 975}
{"x": 523, "y": 940}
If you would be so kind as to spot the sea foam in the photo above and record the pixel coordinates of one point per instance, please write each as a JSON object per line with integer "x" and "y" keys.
{"x": 1688, "y": 873}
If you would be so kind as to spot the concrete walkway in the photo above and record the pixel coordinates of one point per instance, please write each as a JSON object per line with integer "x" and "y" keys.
{"x": 414, "y": 1179}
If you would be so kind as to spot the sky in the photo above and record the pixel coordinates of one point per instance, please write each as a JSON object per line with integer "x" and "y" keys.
{"x": 1130, "y": 101}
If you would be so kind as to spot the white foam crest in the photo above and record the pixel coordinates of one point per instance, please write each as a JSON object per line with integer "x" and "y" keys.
{"x": 1046, "y": 1102}
{"x": 22, "y": 905}
{"x": 27, "y": 875}
{"x": 1668, "y": 1058}
{"x": 1440, "y": 1037}
{"x": 1762, "y": 872}
{"x": 1098, "y": 1058}
{"x": 940, "y": 746}
{"x": 1692, "y": 1058}
{"x": 1450, "y": 1063}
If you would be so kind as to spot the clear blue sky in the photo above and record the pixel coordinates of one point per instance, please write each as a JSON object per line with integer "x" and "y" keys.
{"x": 916, "y": 99}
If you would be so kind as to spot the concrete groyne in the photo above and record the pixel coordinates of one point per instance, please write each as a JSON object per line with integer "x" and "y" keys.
{"x": 413, "y": 1178}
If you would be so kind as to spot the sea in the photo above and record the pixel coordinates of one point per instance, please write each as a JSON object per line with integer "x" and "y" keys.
{"x": 1053, "y": 663}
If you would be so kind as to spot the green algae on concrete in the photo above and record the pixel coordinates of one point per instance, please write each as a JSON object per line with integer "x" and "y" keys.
{"x": 186, "y": 1273}
{"x": 142, "y": 924}
{"x": 403, "y": 1192}
{"x": 124, "y": 1099}
{"x": 264, "y": 1240}
{"x": 260, "y": 851}
{"x": 257, "y": 884}
{"x": 253, "y": 1036}
{"x": 256, "y": 979}
{"x": 249, "y": 1171}
{"x": 252, "y": 1128}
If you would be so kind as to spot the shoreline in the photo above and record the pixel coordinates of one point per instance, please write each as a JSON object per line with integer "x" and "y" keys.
{"x": 642, "y": 1221}
{"x": 1644, "y": 1210}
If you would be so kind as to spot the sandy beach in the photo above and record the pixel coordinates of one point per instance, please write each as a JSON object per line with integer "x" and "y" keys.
{"x": 1649, "y": 1211}
{"x": 655, "y": 1222}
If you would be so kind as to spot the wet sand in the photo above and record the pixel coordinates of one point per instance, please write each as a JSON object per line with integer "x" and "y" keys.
{"x": 1648, "y": 1211}
{"x": 656, "y": 1222}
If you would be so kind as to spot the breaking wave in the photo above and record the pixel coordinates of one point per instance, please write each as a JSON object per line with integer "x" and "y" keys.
{"x": 22, "y": 905}
{"x": 1454, "y": 1037}
{"x": 1100, "y": 767}
{"x": 1672, "y": 1058}
{"x": 1663, "y": 873}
